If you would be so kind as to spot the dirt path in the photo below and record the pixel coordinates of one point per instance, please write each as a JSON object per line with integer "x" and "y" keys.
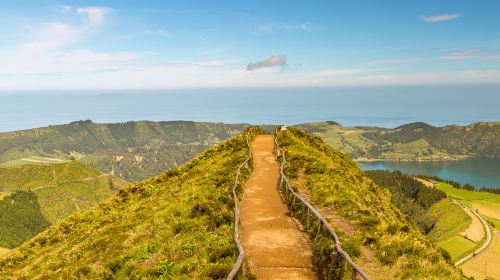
{"x": 275, "y": 248}
{"x": 487, "y": 240}
{"x": 485, "y": 264}
{"x": 475, "y": 231}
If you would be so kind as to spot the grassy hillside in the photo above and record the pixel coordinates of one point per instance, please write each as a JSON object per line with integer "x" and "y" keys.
{"x": 20, "y": 218}
{"x": 451, "y": 220}
{"x": 415, "y": 141}
{"x": 371, "y": 229}
{"x": 34, "y": 196}
{"x": 132, "y": 150}
{"x": 410, "y": 196}
{"x": 176, "y": 225}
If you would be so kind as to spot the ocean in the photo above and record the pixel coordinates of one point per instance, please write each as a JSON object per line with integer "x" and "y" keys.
{"x": 378, "y": 106}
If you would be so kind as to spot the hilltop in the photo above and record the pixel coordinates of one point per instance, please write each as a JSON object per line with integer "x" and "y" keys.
{"x": 132, "y": 150}
{"x": 372, "y": 230}
{"x": 414, "y": 141}
{"x": 34, "y": 196}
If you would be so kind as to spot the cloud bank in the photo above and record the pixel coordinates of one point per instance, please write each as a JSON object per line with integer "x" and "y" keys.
{"x": 273, "y": 61}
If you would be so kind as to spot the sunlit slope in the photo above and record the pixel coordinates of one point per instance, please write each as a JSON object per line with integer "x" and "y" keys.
{"x": 132, "y": 150}
{"x": 179, "y": 224}
{"x": 373, "y": 231}
{"x": 34, "y": 196}
{"x": 414, "y": 141}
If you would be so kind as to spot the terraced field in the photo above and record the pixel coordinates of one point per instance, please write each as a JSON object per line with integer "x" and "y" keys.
{"x": 488, "y": 206}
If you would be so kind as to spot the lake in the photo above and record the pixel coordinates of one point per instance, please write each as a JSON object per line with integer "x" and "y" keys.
{"x": 480, "y": 172}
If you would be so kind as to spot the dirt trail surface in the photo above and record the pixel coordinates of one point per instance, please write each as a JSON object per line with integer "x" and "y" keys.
{"x": 485, "y": 264}
{"x": 475, "y": 231}
{"x": 275, "y": 248}
{"x": 487, "y": 240}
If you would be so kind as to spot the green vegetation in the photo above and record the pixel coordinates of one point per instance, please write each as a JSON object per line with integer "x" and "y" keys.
{"x": 132, "y": 150}
{"x": 415, "y": 141}
{"x": 44, "y": 194}
{"x": 435, "y": 215}
{"x": 451, "y": 220}
{"x": 334, "y": 181}
{"x": 176, "y": 225}
{"x": 20, "y": 218}
{"x": 410, "y": 196}
{"x": 457, "y": 246}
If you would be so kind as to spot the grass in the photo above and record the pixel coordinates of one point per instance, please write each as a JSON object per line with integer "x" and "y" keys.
{"x": 485, "y": 265}
{"x": 457, "y": 246}
{"x": 20, "y": 218}
{"x": 451, "y": 221}
{"x": 162, "y": 145}
{"x": 461, "y": 193}
{"x": 488, "y": 204}
{"x": 334, "y": 181}
{"x": 415, "y": 141}
{"x": 55, "y": 191}
{"x": 176, "y": 225}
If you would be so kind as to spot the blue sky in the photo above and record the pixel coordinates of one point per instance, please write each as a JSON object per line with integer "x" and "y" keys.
{"x": 93, "y": 45}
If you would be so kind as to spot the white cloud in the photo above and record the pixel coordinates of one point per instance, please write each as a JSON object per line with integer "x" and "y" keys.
{"x": 438, "y": 18}
{"x": 426, "y": 78}
{"x": 472, "y": 54}
{"x": 95, "y": 15}
{"x": 160, "y": 32}
{"x": 271, "y": 62}
{"x": 53, "y": 47}
{"x": 285, "y": 27}
{"x": 392, "y": 61}
{"x": 214, "y": 62}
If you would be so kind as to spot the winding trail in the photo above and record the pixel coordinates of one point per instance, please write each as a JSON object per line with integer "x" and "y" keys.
{"x": 487, "y": 241}
{"x": 275, "y": 247}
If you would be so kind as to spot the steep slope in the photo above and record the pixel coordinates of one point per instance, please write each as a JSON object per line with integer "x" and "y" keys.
{"x": 132, "y": 150}
{"x": 34, "y": 196}
{"x": 371, "y": 229}
{"x": 178, "y": 224}
{"x": 415, "y": 141}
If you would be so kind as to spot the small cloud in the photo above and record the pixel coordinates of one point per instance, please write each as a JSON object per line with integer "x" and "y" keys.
{"x": 96, "y": 15}
{"x": 271, "y": 62}
{"x": 438, "y": 18}
{"x": 222, "y": 62}
{"x": 160, "y": 32}
{"x": 472, "y": 54}
{"x": 285, "y": 27}
{"x": 392, "y": 61}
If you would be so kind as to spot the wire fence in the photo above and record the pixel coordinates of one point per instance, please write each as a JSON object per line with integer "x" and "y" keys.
{"x": 302, "y": 209}
{"x": 239, "y": 262}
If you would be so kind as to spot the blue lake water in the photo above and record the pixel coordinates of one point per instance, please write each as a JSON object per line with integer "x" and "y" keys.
{"x": 379, "y": 106}
{"x": 480, "y": 172}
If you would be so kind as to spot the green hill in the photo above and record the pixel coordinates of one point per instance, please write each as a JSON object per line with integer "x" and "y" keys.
{"x": 176, "y": 225}
{"x": 415, "y": 141}
{"x": 382, "y": 240}
{"x": 20, "y": 218}
{"x": 132, "y": 150}
{"x": 34, "y": 196}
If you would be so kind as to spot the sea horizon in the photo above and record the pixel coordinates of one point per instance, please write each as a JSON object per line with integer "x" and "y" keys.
{"x": 387, "y": 107}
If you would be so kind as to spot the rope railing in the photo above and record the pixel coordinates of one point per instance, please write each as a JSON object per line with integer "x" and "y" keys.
{"x": 323, "y": 222}
{"x": 241, "y": 256}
